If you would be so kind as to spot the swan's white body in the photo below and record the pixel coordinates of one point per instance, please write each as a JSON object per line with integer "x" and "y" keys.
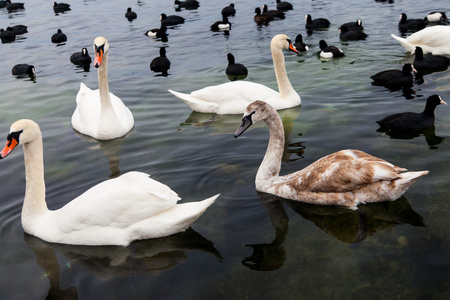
{"x": 434, "y": 39}
{"x": 347, "y": 178}
{"x": 99, "y": 113}
{"x": 233, "y": 97}
{"x": 114, "y": 212}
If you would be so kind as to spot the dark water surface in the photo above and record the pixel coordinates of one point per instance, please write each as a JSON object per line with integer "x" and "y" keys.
{"x": 247, "y": 245}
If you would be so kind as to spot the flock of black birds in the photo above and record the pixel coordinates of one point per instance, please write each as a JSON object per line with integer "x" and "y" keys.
{"x": 392, "y": 79}
{"x": 409, "y": 122}
{"x": 9, "y": 36}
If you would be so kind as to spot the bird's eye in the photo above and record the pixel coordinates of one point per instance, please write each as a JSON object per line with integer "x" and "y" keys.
{"x": 13, "y": 135}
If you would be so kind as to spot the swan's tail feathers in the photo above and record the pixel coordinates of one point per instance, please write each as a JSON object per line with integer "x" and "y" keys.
{"x": 408, "y": 47}
{"x": 193, "y": 210}
{"x": 405, "y": 181}
{"x": 173, "y": 220}
{"x": 196, "y": 104}
{"x": 180, "y": 95}
{"x": 411, "y": 177}
{"x": 187, "y": 213}
{"x": 207, "y": 202}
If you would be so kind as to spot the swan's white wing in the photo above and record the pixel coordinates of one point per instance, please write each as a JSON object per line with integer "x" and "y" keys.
{"x": 435, "y": 39}
{"x": 343, "y": 171}
{"x": 86, "y": 116}
{"x": 228, "y": 98}
{"x": 116, "y": 203}
{"x": 175, "y": 219}
{"x": 431, "y": 36}
{"x": 122, "y": 112}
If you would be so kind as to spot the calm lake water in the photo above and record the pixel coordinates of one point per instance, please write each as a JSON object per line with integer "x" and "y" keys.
{"x": 247, "y": 245}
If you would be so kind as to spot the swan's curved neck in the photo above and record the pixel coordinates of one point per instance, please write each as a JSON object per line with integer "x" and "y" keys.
{"x": 34, "y": 203}
{"x": 271, "y": 164}
{"x": 103, "y": 87}
{"x": 107, "y": 114}
{"x": 284, "y": 85}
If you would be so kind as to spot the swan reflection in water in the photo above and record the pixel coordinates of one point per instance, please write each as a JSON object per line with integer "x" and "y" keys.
{"x": 226, "y": 124}
{"x": 348, "y": 226}
{"x": 145, "y": 257}
{"x": 110, "y": 148}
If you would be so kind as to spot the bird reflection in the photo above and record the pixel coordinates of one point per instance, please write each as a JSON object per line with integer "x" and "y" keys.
{"x": 46, "y": 259}
{"x": 226, "y": 124}
{"x": 353, "y": 227}
{"x": 85, "y": 68}
{"x": 429, "y": 133}
{"x": 406, "y": 91}
{"x": 145, "y": 257}
{"x": 110, "y": 148}
{"x": 272, "y": 256}
{"x": 348, "y": 226}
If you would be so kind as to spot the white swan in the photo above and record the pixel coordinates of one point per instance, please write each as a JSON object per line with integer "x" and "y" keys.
{"x": 99, "y": 113}
{"x": 233, "y": 97}
{"x": 434, "y": 39}
{"x": 346, "y": 178}
{"x": 114, "y": 212}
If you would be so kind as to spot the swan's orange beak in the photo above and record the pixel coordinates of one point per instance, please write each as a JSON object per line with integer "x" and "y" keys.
{"x": 292, "y": 48}
{"x": 98, "y": 58}
{"x": 10, "y": 145}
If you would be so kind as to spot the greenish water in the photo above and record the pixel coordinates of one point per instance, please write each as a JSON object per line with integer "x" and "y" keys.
{"x": 247, "y": 245}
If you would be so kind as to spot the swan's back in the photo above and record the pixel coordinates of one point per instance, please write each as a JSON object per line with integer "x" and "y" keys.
{"x": 435, "y": 39}
{"x": 87, "y": 115}
{"x": 118, "y": 211}
{"x": 233, "y": 97}
{"x": 347, "y": 178}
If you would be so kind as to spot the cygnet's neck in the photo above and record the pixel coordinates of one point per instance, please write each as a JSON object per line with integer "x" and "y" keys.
{"x": 269, "y": 169}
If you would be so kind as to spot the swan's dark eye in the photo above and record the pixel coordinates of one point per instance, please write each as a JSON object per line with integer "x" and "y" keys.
{"x": 13, "y": 135}
{"x": 289, "y": 41}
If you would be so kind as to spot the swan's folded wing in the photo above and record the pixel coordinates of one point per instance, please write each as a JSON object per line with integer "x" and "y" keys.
{"x": 227, "y": 98}
{"x": 118, "y": 202}
{"x": 435, "y": 39}
{"x": 175, "y": 219}
{"x": 86, "y": 116}
{"x": 431, "y": 36}
{"x": 196, "y": 104}
{"x": 343, "y": 171}
{"x": 123, "y": 113}
{"x": 235, "y": 91}
{"x": 82, "y": 91}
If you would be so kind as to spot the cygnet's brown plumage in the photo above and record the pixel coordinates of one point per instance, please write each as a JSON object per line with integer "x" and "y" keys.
{"x": 347, "y": 178}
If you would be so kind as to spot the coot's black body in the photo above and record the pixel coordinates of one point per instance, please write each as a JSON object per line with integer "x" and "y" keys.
{"x": 410, "y": 121}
